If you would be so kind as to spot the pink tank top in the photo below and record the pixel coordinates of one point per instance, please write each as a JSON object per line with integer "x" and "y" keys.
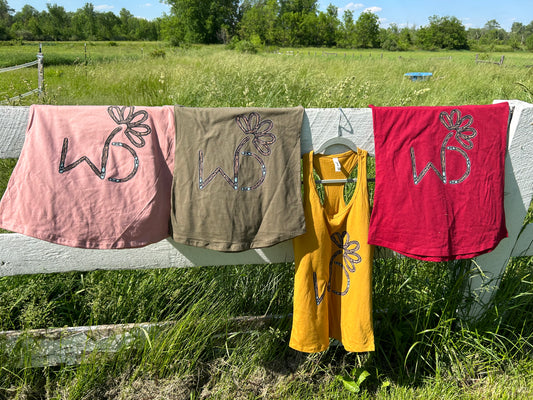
{"x": 439, "y": 180}
{"x": 93, "y": 176}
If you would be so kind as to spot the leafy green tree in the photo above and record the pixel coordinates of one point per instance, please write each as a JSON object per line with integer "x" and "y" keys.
{"x": 406, "y": 37}
{"x": 518, "y": 32}
{"x": 5, "y": 19}
{"x": 24, "y": 15}
{"x": 529, "y": 42}
{"x": 298, "y": 6}
{"x": 367, "y": 30}
{"x": 202, "y": 20}
{"x": 291, "y": 24}
{"x": 327, "y": 26}
{"x": 90, "y": 18}
{"x": 26, "y": 24}
{"x": 442, "y": 33}
{"x": 83, "y": 23}
{"x": 390, "y": 38}
{"x": 172, "y": 30}
{"x": 492, "y": 33}
{"x": 107, "y": 24}
{"x": 146, "y": 30}
{"x": 308, "y": 34}
{"x": 298, "y": 22}
{"x": 55, "y": 22}
{"x": 395, "y": 39}
{"x": 260, "y": 17}
{"x": 127, "y": 23}
{"x": 346, "y": 32}
{"x": 5, "y": 10}
{"x": 473, "y": 34}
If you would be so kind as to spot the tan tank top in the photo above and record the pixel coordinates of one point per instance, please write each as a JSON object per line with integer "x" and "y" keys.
{"x": 236, "y": 178}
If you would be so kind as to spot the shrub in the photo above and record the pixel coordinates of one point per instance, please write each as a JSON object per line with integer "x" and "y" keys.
{"x": 158, "y": 53}
{"x": 529, "y": 42}
{"x": 245, "y": 46}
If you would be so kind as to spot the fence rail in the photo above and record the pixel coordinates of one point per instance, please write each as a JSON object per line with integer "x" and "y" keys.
{"x": 15, "y": 67}
{"x": 40, "y": 77}
{"x": 500, "y": 63}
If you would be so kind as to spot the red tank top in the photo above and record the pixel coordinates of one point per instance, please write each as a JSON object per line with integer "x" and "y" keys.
{"x": 439, "y": 180}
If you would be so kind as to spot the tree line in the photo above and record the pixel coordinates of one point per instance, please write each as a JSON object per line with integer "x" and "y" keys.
{"x": 255, "y": 23}
{"x": 55, "y": 23}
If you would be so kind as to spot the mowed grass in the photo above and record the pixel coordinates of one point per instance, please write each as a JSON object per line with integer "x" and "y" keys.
{"x": 425, "y": 346}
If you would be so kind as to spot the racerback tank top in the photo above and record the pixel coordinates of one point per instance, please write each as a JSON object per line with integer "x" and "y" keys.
{"x": 333, "y": 280}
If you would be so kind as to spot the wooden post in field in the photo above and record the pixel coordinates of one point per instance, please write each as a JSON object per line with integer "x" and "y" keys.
{"x": 40, "y": 70}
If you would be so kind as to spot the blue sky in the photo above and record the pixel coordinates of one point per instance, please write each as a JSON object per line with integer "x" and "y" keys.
{"x": 472, "y": 13}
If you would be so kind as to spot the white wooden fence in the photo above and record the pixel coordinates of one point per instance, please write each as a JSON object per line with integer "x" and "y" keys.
{"x": 40, "y": 77}
{"x": 24, "y": 255}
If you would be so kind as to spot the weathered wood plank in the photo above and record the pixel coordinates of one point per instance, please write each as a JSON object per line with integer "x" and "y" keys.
{"x": 518, "y": 193}
{"x": 20, "y": 255}
{"x": 321, "y": 125}
{"x": 524, "y": 245}
{"x": 69, "y": 345}
{"x": 13, "y": 122}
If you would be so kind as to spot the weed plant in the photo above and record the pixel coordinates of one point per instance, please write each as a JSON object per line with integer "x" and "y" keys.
{"x": 426, "y": 345}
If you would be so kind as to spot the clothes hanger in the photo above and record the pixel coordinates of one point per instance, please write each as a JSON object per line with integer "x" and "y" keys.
{"x": 329, "y": 147}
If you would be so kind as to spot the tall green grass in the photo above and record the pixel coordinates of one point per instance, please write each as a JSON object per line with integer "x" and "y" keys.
{"x": 425, "y": 346}
{"x": 211, "y": 76}
{"x": 207, "y": 78}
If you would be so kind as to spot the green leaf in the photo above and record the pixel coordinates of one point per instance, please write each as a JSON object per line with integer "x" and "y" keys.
{"x": 350, "y": 383}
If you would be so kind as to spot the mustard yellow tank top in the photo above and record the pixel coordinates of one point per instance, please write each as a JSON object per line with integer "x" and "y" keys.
{"x": 333, "y": 281}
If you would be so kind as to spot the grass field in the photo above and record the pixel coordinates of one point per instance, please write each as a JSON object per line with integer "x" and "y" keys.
{"x": 209, "y": 76}
{"x": 425, "y": 348}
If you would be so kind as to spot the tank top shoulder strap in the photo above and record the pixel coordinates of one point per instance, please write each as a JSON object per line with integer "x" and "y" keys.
{"x": 362, "y": 181}
{"x": 308, "y": 176}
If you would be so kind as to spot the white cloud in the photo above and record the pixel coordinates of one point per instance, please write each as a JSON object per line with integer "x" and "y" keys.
{"x": 373, "y": 9}
{"x": 351, "y": 7}
{"x": 148, "y": 5}
{"x": 103, "y": 7}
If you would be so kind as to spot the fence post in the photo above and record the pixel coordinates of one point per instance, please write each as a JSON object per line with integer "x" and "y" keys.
{"x": 40, "y": 70}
